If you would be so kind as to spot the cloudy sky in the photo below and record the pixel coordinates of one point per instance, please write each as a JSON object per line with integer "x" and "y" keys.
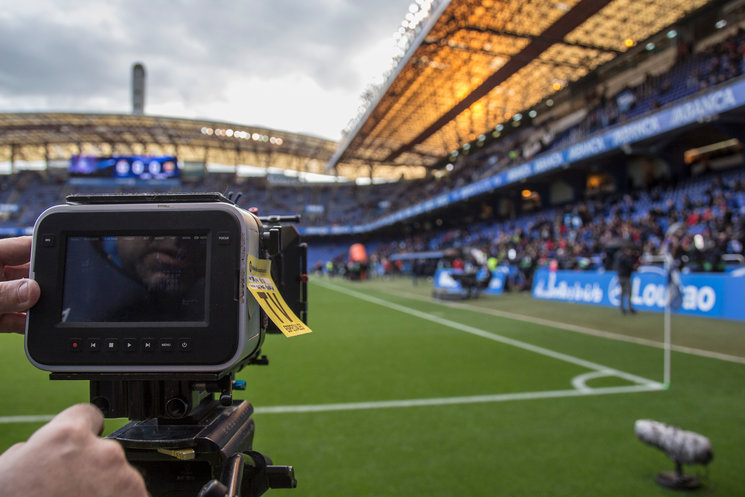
{"x": 295, "y": 65}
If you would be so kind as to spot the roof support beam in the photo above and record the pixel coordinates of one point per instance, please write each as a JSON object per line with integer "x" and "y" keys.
{"x": 557, "y": 31}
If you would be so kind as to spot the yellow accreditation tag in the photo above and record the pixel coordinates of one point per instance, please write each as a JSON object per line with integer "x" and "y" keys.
{"x": 261, "y": 286}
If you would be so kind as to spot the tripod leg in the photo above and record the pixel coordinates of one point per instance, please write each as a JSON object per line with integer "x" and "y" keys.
{"x": 213, "y": 488}
{"x": 232, "y": 474}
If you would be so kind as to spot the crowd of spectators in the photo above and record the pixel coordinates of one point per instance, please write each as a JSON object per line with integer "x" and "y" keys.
{"x": 26, "y": 194}
{"x": 692, "y": 72}
{"x": 704, "y": 220}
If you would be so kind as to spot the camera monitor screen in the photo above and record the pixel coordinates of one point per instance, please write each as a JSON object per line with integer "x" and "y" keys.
{"x": 132, "y": 279}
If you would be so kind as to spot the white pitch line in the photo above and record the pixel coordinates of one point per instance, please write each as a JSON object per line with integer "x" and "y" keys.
{"x": 576, "y": 328}
{"x": 406, "y": 403}
{"x": 580, "y": 382}
{"x": 473, "y": 399}
{"x": 492, "y": 336}
{"x": 642, "y": 384}
{"x": 35, "y": 418}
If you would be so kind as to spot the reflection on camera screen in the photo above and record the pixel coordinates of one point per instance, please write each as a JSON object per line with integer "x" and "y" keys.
{"x": 135, "y": 278}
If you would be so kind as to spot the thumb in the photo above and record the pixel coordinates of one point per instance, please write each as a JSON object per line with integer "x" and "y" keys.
{"x": 18, "y": 295}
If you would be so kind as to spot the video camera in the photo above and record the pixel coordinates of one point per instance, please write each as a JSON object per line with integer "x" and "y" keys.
{"x": 147, "y": 296}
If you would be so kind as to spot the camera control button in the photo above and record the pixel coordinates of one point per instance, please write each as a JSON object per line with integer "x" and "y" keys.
{"x": 76, "y": 344}
{"x": 129, "y": 344}
{"x": 184, "y": 344}
{"x": 148, "y": 344}
{"x": 48, "y": 240}
{"x": 111, "y": 344}
{"x": 166, "y": 345}
{"x": 223, "y": 237}
{"x": 93, "y": 345}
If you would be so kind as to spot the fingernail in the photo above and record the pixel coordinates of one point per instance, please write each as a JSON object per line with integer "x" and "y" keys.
{"x": 23, "y": 292}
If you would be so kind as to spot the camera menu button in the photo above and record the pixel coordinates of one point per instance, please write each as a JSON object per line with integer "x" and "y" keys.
{"x": 166, "y": 345}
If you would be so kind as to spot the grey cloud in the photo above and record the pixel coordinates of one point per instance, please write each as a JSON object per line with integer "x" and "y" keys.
{"x": 61, "y": 51}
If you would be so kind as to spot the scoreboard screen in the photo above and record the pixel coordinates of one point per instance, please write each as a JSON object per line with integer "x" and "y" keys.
{"x": 125, "y": 167}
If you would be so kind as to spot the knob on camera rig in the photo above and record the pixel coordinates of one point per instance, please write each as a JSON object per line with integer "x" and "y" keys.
{"x": 146, "y": 297}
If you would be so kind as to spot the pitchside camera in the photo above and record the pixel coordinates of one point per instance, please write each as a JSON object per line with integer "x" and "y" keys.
{"x": 146, "y": 296}
{"x": 135, "y": 286}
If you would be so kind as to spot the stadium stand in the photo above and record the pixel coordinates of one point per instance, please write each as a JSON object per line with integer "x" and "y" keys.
{"x": 585, "y": 235}
{"x": 576, "y": 233}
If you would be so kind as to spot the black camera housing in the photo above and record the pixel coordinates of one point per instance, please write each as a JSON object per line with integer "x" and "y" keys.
{"x": 77, "y": 256}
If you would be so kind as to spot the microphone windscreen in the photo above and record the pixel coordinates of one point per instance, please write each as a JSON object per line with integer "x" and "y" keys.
{"x": 685, "y": 447}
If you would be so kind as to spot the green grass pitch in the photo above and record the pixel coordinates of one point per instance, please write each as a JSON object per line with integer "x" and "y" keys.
{"x": 396, "y": 394}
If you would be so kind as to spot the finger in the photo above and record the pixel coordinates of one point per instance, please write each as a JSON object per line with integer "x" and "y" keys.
{"x": 13, "y": 322}
{"x": 18, "y": 295}
{"x": 16, "y": 272}
{"x": 13, "y": 448}
{"x": 88, "y": 414}
{"x": 15, "y": 251}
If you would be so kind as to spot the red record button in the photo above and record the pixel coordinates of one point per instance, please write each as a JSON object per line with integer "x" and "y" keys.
{"x": 76, "y": 344}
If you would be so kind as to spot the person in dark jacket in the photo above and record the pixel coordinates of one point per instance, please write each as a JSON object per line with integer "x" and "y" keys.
{"x": 624, "y": 262}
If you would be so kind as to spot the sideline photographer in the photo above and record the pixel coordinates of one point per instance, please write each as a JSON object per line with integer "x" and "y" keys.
{"x": 66, "y": 457}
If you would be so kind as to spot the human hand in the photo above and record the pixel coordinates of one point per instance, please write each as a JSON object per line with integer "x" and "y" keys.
{"x": 17, "y": 292}
{"x": 66, "y": 458}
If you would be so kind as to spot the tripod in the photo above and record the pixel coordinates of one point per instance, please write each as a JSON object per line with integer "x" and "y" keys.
{"x": 212, "y": 458}
{"x": 183, "y": 441}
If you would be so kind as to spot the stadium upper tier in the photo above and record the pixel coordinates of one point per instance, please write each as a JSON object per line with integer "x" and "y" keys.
{"x": 54, "y": 137}
{"x": 474, "y": 65}
{"x": 343, "y": 208}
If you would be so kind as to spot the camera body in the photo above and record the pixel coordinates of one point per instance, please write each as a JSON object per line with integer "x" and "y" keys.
{"x": 144, "y": 284}
{"x": 148, "y": 297}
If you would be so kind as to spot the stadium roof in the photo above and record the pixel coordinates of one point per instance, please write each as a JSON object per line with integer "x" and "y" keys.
{"x": 48, "y": 137}
{"x": 471, "y": 65}
{"x": 477, "y": 63}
